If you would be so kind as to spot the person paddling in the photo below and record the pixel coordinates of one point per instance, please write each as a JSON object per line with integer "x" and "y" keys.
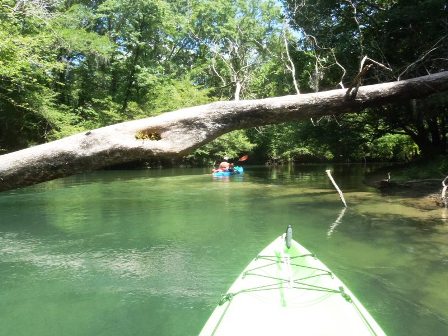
{"x": 225, "y": 165}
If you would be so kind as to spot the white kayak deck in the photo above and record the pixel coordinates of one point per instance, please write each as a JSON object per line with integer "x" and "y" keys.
{"x": 289, "y": 292}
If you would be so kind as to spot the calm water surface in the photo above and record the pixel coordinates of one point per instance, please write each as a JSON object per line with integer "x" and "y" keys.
{"x": 150, "y": 252}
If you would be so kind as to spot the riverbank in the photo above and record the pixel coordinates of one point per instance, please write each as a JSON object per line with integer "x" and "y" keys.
{"x": 420, "y": 181}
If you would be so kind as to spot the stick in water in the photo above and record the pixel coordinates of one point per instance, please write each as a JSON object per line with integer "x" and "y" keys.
{"x": 336, "y": 186}
{"x": 443, "y": 196}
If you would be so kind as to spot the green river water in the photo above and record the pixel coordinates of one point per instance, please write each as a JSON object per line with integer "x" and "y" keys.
{"x": 150, "y": 252}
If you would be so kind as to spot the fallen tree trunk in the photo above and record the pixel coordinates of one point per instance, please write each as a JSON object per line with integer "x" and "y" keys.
{"x": 178, "y": 133}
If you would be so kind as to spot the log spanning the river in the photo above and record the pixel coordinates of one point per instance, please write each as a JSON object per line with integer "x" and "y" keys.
{"x": 180, "y": 132}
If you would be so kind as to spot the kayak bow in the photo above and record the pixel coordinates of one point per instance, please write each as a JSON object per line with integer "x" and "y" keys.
{"x": 288, "y": 291}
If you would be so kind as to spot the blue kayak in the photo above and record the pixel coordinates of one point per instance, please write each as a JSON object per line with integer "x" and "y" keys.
{"x": 237, "y": 170}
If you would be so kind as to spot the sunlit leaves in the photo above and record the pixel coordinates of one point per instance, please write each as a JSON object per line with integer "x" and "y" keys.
{"x": 174, "y": 94}
{"x": 231, "y": 145}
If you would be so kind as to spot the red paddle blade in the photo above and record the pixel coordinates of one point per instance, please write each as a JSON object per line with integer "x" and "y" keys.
{"x": 243, "y": 158}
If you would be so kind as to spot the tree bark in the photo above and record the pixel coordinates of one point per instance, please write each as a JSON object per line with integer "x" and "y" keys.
{"x": 178, "y": 133}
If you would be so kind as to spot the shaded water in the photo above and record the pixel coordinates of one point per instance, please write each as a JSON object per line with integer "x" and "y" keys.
{"x": 150, "y": 252}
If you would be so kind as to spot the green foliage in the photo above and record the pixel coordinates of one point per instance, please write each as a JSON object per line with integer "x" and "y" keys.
{"x": 345, "y": 139}
{"x": 235, "y": 40}
{"x": 232, "y": 145}
{"x": 31, "y": 68}
{"x": 175, "y": 94}
{"x": 393, "y": 147}
{"x": 70, "y": 66}
{"x": 285, "y": 143}
{"x": 423, "y": 169}
{"x": 443, "y": 165}
{"x": 25, "y": 99}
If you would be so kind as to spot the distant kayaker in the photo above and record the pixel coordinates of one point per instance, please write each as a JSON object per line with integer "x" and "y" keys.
{"x": 225, "y": 165}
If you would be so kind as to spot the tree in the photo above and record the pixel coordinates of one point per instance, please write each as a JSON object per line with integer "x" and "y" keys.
{"x": 410, "y": 37}
{"x": 39, "y": 48}
{"x": 178, "y": 133}
{"x": 26, "y": 102}
{"x": 237, "y": 38}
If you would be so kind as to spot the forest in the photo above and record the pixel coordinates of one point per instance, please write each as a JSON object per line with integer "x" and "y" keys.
{"x": 70, "y": 66}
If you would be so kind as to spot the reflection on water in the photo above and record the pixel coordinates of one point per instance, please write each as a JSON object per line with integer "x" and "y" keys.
{"x": 130, "y": 269}
{"x": 338, "y": 221}
{"x": 150, "y": 252}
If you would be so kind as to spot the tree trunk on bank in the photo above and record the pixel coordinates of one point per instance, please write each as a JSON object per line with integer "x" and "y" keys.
{"x": 180, "y": 132}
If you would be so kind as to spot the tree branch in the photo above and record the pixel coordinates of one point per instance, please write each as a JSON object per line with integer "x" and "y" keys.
{"x": 422, "y": 57}
{"x": 291, "y": 67}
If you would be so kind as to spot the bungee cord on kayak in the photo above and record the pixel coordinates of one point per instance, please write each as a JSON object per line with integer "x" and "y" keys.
{"x": 278, "y": 285}
{"x": 228, "y": 297}
{"x": 293, "y": 287}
